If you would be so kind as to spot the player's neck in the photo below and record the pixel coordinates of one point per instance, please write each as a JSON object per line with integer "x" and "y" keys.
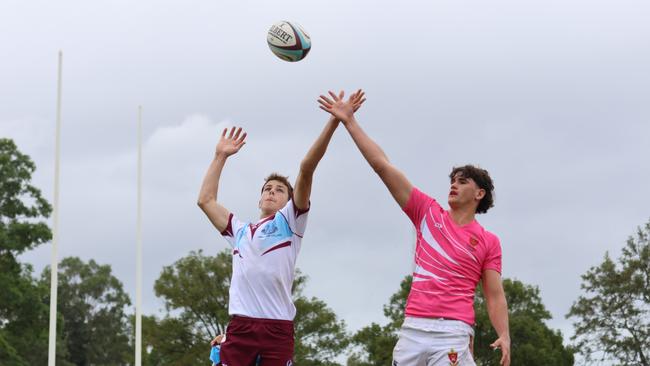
{"x": 462, "y": 215}
{"x": 264, "y": 214}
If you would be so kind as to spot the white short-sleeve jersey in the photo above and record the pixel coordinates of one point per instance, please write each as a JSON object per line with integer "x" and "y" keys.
{"x": 263, "y": 263}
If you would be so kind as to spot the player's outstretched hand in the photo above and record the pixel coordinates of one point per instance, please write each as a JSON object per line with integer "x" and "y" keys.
{"x": 230, "y": 144}
{"x": 338, "y": 107}
{"x": 504, "y": 345}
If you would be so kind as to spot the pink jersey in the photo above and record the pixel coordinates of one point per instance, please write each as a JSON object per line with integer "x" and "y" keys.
{"x": 449, "y": 261}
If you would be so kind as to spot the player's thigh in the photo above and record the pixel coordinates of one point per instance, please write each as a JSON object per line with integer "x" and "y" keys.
{"x": 411, "y": 348}
{"x": 239, "y": 348}
{"x": 277, "y": 344}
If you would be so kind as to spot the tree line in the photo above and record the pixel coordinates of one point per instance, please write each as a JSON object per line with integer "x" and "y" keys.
{"x": 96, "y": 326}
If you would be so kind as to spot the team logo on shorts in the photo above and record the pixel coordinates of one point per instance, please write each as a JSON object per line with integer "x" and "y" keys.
{"x": 289, "y": 363}
{"x": 453, "y": 357}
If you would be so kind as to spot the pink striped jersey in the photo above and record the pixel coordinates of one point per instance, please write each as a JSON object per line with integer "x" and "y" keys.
{"x": 449, "y": 261}
{"x": 263, "y": 263}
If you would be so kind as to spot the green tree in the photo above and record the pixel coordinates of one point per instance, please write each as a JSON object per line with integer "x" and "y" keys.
{"x": 613, "y": 314}
{"x": 24, "y": 333}
{"x": 375, "y": 342}
{"x": 23, "y": 307}
{"x": 533, "y": 343}
{"x": 92, "y": 304}
{"x": 21, "y": 204}
{"x": 173, "y": 341}
{"x": 195, "y": 292}
{"x": 320, "y": 336}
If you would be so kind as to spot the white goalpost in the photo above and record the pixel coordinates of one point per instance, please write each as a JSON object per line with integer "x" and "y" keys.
{"x": 138, "y": 265}
{"x": 54, "y": 278}
{"x": 51, "y": 355}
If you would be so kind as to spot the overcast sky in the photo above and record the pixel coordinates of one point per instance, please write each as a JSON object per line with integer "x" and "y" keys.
{"x": 550, "y": 96}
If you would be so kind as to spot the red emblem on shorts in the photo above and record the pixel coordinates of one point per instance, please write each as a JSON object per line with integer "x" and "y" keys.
{"x": 453, "y": 357}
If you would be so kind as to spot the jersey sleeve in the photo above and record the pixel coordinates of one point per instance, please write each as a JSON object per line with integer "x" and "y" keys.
{"x": 231, "y": 232}
{"x": 493, "y": 255}
{"x": 418, "y": 204}
{"x": 296, "y": 217}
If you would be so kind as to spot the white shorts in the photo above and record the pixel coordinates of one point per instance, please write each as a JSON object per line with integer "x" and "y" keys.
{"x": 433, "y": 342}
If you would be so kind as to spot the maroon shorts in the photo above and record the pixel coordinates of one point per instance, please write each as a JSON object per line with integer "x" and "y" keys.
{"x": 248, "y": 338}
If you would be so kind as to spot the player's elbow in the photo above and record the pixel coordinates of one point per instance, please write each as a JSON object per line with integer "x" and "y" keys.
{"x": 204, "y": 201}
{"x": 307, "y": 167}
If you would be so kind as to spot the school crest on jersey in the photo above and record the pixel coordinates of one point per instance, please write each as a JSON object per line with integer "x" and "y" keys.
{"x": 270, "y": 229}
{"x": 453, "y": 357}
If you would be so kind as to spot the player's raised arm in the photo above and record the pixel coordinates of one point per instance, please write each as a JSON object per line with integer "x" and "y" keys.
{"x": 396, "y": 182}
{"x": 229, "y": 144}
{"x": 302, "y": 189}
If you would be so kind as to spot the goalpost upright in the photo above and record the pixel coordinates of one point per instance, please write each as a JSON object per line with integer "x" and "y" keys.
{"x": 51, "y": 354}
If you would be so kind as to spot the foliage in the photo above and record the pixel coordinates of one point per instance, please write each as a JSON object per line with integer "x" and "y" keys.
{"x": 613, "y": 313}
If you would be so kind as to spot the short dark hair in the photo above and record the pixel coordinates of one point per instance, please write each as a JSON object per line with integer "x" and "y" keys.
{"x": 280, "y": 178}
{"x": 482, "y": 179}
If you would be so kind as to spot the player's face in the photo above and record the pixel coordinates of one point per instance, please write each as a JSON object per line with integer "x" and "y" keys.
{"x": 275, "y": 195}
{"x": 464, "y": 191}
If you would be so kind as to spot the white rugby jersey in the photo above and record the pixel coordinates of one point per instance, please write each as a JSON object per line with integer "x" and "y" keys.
{"x": 263, "y": 262}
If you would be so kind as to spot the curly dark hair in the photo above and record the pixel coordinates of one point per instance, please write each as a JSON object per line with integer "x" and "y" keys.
{"x": 482, "y": 179}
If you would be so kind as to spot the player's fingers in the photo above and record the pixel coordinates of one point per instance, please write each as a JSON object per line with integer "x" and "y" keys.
{"x": 326, "y": 99}
{"x": 236, "y": 137}
{"x": 223, "y": 134}
{"x": 232, "y": 132}
{"x": 324, "y": 103}
{"x": 323, "y": 108}
{"x": 334, "y": 96}
{"x": 242, "y": 138}
{"x": 341, "y": 95}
